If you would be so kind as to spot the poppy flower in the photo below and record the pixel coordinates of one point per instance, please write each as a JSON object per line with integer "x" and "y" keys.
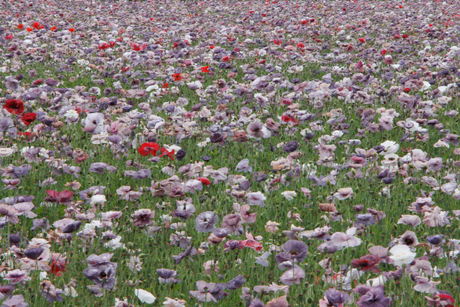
{"x": 212, "y": 47}
{"x": 286, "y": 118}
{"x": 383, "y": 52}
{"x": 9, "y": 36}
{"x": 20, "y": 26}
{"x": 28, "y": 118}
{"x": 300, "y": 45}
{"x": 71, "y": 30}
{"x": 177, "y": 77}
{"x": 397, "y": 36}
{"x": 366, "y": 263}
{"x": 225, "y": 58}
{"x": 205, "y": 69}
{"x": 406, "y": 90}
{"x": 120, "y": 39}
{"x": 57, "y": 268}
{"x": 36, "y": 25}
{"x": 149, "y": 148}
{"x": 38, "y": 81}
{"x": 362, "y": 40}
{"x": 405, "y": 36}
{"x": 138, "y": 47}
{"x": 277, "y": 42}
{"x": 304, "y": 22}
{"x": 14, "y": 106}
{"x": 165, "y": 152}
{"x": 204, "y": 180}
{"x": 29, "y": 29}
{"x": 165, "y": 85}
{"x": 53, "y": 28}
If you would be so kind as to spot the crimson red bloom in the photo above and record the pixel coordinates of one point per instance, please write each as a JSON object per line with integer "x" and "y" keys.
{"x": 205, "y": 69}
{"x": 300, "y": 45}
{"x": 165, "y": 85}
{"x": 53, "y": 28}
{"x": 286, "y": 118}
{"x": 36, "y": 25}
{"x": 383, "y": 52}
{"x": 212, "y": 47}
{"x": 277, "y": 42}
{"x": 29, "y": 29}
{"x": 20, "y": 26}
{"x": 28, "y": 118}
{"x": 366, "y": 263}
{"x": 148, "y": 148}
{"x": 165, "y": 152}
{"x": 9, "y": 36}
{"x": 14, "y": 106}
{"x": 397, "y": 36}
{"x": 38, "y": 81}
{"x": 362, "y": 40}
{"x": 177, "y": 77}
{"x": 57, "y": 268}
{"x": 225, "y": 59}
{"x": 204, "y": 180}
{"x": 405, "y": 36}
{"x": 71, "y": 30}
{"x": 406, "y": 90}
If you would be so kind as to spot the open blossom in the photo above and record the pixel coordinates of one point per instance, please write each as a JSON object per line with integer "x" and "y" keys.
{"x": 401, "y": 254}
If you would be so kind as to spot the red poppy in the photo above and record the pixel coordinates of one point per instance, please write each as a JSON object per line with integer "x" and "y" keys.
{"x": 71, "y": 30}
{"x": 212, "y": 47}
{"x": 277, "y": 42}
{"x": 165, "y": 152}
{"x": 124, "y": 69}
{"x": 28, "y": 118}
{"x": 300, "y": 45}
{"x": 38, "y": 81}
{"x": 362, "y": 40}
{"x": 20, "y": 26}
{"x": 53, "y": 28}
{"x": 57, "y": 268}
{"x": 36, "y": 25}
{"x": 14, "y": 106}
{"x": 29, "y": 29}
{"x": 9, "y": 36}
{"x": 225, "y": 58}
{"x": 304, "y": 22}
{"x": 397, "y": 36}
{"x": 366, "y": 263}
{"x": 405, "y": 36}
{"x": 406, "y": 90}
{"x": 165, "y": 85}
{"x": 205, "y": 69}
{"x": 204, "y": 180}
{"x": 148, "y": 148}
{"x": 138, "y": 47}
{"x": 120, "y": 39}
{"x": 42, "y": 27}
{"x": 177, "y": 77}
{"x": 383, "y": 52}
{"x": 286, "y": 118}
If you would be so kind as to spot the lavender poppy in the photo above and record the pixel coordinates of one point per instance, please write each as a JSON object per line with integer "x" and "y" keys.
{"x": 143, "y": 217}
{"x": 291, "y": 146}
{"x": 15, "y": 301}
{"x": 101, "y": 271}
{"x": 167, "y": 276}
{"x": 336, "y": 297}
{"x": 375, "y": 297}
{"x": 189, "y": 251}
{"x": 236, "y": 282}
{"x": 205, "y": 222}
{"x": 293, "y": 251}
{"x": 208, "y": 292}
{"x": 243, "y": 166}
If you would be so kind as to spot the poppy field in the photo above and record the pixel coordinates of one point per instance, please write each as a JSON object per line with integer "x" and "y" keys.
{"x": 229, "y": 153}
